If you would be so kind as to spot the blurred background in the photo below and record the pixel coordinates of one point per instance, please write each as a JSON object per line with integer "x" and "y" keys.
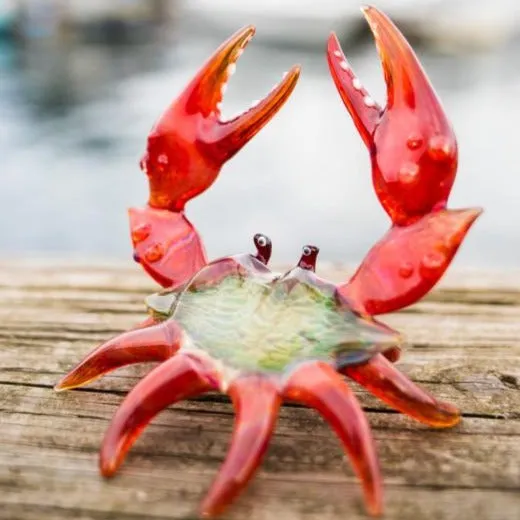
{"x": 81, "y": 83}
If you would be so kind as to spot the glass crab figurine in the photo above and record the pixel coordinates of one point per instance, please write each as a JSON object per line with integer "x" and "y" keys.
{"x": 234, "y": 326}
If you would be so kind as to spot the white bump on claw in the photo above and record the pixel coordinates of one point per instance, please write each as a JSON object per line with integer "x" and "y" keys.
{"x": 337, "y": 54}
{"x": 231, "y": 69}
{"x": 254, "y": 103}
{"x": 344, "y": 65}
{"x": 357, "y": 84}
{"x": 162, "y": 159}
{"x": 223, "y": 88}
{"x": 369, "y": 102}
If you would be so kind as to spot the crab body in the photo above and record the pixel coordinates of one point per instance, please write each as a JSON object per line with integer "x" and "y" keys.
{"x": 234, "y": 326}
{"x": 254, "y": 320}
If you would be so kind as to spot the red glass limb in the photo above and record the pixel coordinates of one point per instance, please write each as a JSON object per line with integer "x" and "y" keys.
{"x": 166, "y": 245}
{"x": 178, "y": 378}
{"x": 148, "y": 322}
{"x": 382, "y": 379}
{"x": 256, "y": 402}
{"x": 190, "y": 142}
{"x": 408, "y": 261}
{"x": 319, "y": 386}
{"x": 154, "y": 343}
{"x": 412, "y": 144}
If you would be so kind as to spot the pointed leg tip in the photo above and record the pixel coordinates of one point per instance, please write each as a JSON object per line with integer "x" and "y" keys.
{"x": 108, "y": 465}
{"x": 448, "y": 415}
{"x": 375, "y": 511}
{"x": 72, "y": 381}
{"x": 60, "y": 387}
{"x": 211, "y": 508}
{"x": 207, "y": 513}
{"x": 374, "y": 506}
{"x": 373, "y": 493}
{"x": 67, "y": 383}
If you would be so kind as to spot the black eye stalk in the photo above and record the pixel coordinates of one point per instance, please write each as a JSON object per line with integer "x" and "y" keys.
{"x": 309, "y": 257}
{"x": 263, "y": 248}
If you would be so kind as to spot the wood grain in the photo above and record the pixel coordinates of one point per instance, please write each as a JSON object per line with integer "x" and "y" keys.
{"x": 464, "y": 346}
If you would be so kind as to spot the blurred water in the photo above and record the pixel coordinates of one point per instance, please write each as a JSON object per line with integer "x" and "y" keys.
{"x": 75, "y": 118}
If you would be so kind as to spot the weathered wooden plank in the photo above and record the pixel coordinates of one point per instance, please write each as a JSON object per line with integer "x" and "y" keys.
{"x": 464, "y": 345}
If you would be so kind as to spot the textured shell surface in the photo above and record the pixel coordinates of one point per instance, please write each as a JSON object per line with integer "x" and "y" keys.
{"x": 258, "y": 321}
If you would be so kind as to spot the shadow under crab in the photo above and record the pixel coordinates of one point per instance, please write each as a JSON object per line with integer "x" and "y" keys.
{"x": 232, "y": 325}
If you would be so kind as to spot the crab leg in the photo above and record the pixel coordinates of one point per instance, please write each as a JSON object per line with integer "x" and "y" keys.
{"x": 153, "y": 343}
{"x": 256, "y": 401}
{"x": 185, "y": 152}
{"x": 147, "y": 322}
{"x": 318, "y": 385}
{"x": 412, "y": 144}
{"x": 176, "y": 379}
{"x": 408, "y": 261}
{"x": 383, "y": 380}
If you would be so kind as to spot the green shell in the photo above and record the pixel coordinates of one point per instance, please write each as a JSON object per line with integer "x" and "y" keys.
{"x": 266, "y": 324}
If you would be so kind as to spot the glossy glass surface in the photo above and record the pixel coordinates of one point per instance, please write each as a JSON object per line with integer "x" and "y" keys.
{"x": 258, "y": 321}
{"x": 411, "y": 142}
{"x": 185, "y": 151}
{"x": 414, "y": 158}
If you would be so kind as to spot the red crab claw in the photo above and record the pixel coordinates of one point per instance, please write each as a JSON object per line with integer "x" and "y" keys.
{"x": 408, "y": 261}
{"x": 412, "y": 144}
{"x": 185, "y": 151}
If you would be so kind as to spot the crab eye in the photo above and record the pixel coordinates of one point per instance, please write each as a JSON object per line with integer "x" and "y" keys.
{"x": 261, "y": 241}
{"x": 306, "y": 251}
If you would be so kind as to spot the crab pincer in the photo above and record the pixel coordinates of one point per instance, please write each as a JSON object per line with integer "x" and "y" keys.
{"x": 414, "y": 158}
{"x": 411, "y": 142}
{"x": 185, "y": 152}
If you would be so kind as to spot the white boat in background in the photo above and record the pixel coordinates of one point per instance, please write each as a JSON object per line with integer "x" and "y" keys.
{"x": 451, "y": 25}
